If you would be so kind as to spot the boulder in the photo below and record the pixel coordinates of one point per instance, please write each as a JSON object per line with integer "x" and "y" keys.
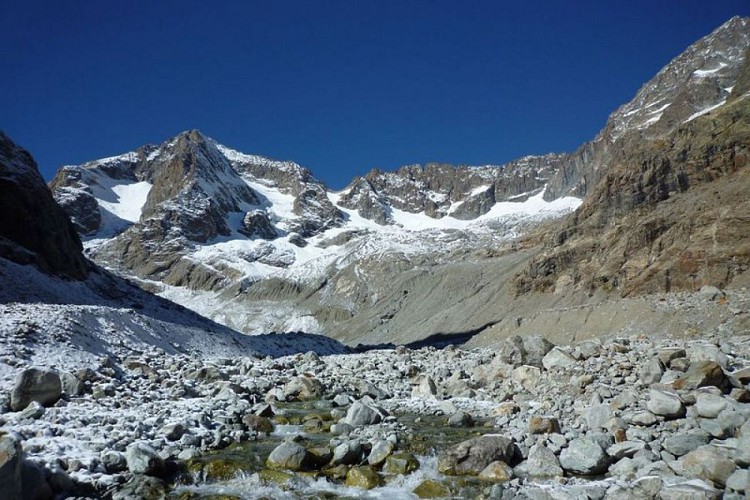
{"x": 710, "y": 405}
{"x": 472, "y": 456}
{"x": 362, "y": 412}
{"x": 401, "y": 463}
{"x": 584, "y": 456}
{"x": 543, "y": 425}
{"x": 541, "y": 464}
{"x": 35, "y": 384}
{"x": 557, "y": 358}
{"x": 703, "y": 374}
{"x": 363, "y": 477}
{"x": 665, "y": 404}
{"x": 529, "y": 350}
{"x": 707, "y": 462}
{"x": 682, "y": 444}
{"x": 35, "y": 485}
{"x": 288, "y": 455}
{"x": 141, "y": 458}
{"x": 71, "y": 385}
{"x": 10, "y": 466}
{"x": 528, "y": 376}
{"x": 304, "y": 388}
{"x": 425, "y": 388}
{"x": 379, "y": 452}
{"x": 497, "y": 472}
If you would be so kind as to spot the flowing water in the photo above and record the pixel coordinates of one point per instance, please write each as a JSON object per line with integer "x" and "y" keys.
{"x": 239, "y": 472}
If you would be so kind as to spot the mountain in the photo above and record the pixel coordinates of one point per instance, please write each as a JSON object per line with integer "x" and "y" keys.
{"x": 208, "y": 227}
{"x": 57, "y": 305}
{"x": 261, "y": 245}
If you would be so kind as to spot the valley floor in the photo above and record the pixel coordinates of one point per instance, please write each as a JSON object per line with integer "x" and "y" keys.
{"x": 632, "y": 417}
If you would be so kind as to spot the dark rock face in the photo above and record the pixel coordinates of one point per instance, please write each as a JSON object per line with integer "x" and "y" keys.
{"x": 439, "y": 190}
{"x": 257, "y": 223}
{"x": 33, "y": 228}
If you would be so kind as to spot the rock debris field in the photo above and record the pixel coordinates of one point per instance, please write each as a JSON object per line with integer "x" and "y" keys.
{"x": 621, "y": 418}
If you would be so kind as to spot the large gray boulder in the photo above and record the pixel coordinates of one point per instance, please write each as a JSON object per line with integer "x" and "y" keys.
{"x": 288, "y": 455}
{"x": 541, "y": 464}
{"x": 665, "y": 404}
{"x": 143, "y": 459}
{"x": 362, "y": 412}
{"x": 529, "y": 350}
{"x": 474, "y": 455}
{"x": 584, "y": 456}
{"x": 35, "y": 384}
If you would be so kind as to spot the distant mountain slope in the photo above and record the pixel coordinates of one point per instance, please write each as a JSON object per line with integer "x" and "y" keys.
{"x": 54, "y": 304}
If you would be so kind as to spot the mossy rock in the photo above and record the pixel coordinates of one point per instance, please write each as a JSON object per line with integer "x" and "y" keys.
{"x": 337, "y": 473}
{"x": 431, "y": 489}
{"x": 316, "y": 425}
{"x": 322, "y": 416}
{"x": 258, "y": 424}
{"x": 191, "y": 495}
{"x": 275, "y": 476}
{"x": 319, "y": 456}
{"x": 401, "y": 463}
{"x": 220, "y": 469}
{"x": 363, "y": 477}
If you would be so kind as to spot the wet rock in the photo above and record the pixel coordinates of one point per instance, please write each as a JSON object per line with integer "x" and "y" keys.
{"x": 665, "y": 404}
{"x": 461, "y": 419}
{"x": 472, "y": 456}
{"x": 430, "y": 488}
{"x": 143, "y": 459}
{"x": 379, "y": 452}
{"x": 498, "y": 472}
{"x": 141, "y": 487}
{"x": 10, "y": 466}
{"x": 288, "y": 455}
{"x": 363, "y": 477}
{"x": 35, "y": 384}
{"x": 363, "y": 412}
{"x": 275, "y": 476}
{"x": 257, "y": 423}
{"x": 584, "y": 456}
{"x": 401, "y": 463}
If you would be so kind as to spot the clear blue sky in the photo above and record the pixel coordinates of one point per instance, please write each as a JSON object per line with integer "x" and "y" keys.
{"x": 337, "y": 86}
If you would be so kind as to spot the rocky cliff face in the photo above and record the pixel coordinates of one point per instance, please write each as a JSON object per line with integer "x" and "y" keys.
{"x": 670, "y": 214}
{"x": 695, "y": 82}
{"x": 439, "y": 190}
{"x": 51, "y": 241}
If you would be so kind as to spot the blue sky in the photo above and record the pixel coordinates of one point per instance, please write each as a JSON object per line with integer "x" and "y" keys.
{"x": 337, "y": 86}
